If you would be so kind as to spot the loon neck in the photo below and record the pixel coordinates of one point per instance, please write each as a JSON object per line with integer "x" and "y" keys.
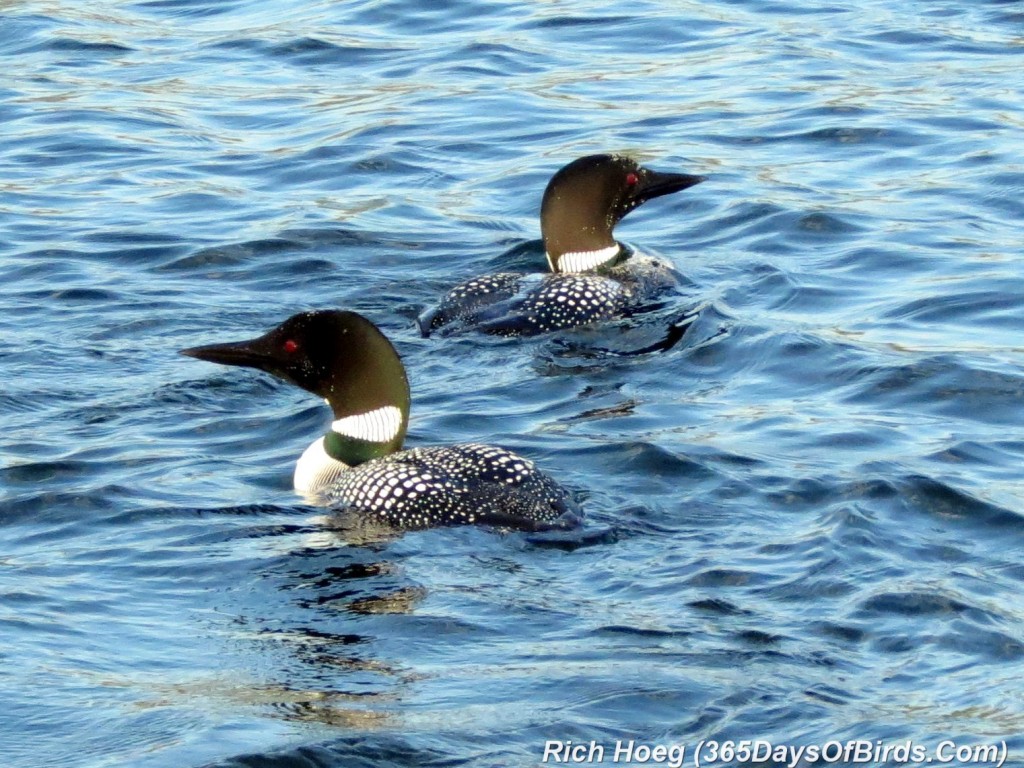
{"x": 361, "y": 436}
{"x": 351, "y": 440}
{"x": 586, "y": 261}
{"x": 368, "y": 392}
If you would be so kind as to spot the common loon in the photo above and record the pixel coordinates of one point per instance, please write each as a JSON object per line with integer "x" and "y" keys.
{"x": 359, "y": 465}
{"x": 593, "y": 277}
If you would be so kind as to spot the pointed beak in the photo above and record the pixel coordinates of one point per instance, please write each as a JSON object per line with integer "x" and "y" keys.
{"x": 656, "y": 183}
{"x": 254, "y": 353}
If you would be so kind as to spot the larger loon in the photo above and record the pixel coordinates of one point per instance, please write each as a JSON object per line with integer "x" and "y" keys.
{"x": 359, "y": 465}
{"x": 593, "y": 277}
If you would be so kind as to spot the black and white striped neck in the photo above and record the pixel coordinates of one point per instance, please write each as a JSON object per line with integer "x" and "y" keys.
{"x": 359, "y": 437}
{"x": 351, "y": 440}
{"x": 585, "y": 261}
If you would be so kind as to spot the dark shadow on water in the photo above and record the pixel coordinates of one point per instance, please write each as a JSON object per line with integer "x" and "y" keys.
{"x": 375, "y": 751}
{"x": 655, "y": 333}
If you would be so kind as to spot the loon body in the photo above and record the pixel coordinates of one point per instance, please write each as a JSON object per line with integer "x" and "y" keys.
{"x": 593, "y": 277}
{"x": 359, "y": 465}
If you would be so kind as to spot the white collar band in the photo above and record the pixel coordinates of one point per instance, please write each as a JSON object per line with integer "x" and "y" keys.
{"x": 584, "y": 261}
{"x": 377, "y": 426}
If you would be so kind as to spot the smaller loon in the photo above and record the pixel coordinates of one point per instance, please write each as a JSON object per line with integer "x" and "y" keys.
{"x": 359, "y": 465}
{"x": 593, "y": 277}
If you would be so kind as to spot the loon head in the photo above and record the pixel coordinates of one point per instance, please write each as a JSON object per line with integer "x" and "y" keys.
{"x": 342, "y": 357}
{"x": 586, "y": 199}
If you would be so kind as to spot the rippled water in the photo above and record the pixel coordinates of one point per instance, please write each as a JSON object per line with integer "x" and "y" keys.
{"x": 805, "y": 521}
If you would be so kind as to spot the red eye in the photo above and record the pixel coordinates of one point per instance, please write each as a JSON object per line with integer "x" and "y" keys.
{"x": 290, "y": 346}
{"x": 632, "y": 179}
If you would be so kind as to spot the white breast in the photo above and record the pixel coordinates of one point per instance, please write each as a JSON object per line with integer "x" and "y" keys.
{"x": 316, "y": 469}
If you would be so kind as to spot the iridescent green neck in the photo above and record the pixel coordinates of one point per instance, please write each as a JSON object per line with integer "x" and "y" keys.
{"x": 353, "y": 451}
{"x": 359, "y": 437}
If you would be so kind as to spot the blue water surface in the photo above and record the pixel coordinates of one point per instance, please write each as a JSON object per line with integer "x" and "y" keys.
{"x": 805, "y": 521}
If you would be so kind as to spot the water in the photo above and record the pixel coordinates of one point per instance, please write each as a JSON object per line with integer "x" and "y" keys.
{"x": 804, "y": 521}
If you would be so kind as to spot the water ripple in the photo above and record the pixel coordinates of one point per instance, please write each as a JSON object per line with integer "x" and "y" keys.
{"x": 803, "y": 518}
